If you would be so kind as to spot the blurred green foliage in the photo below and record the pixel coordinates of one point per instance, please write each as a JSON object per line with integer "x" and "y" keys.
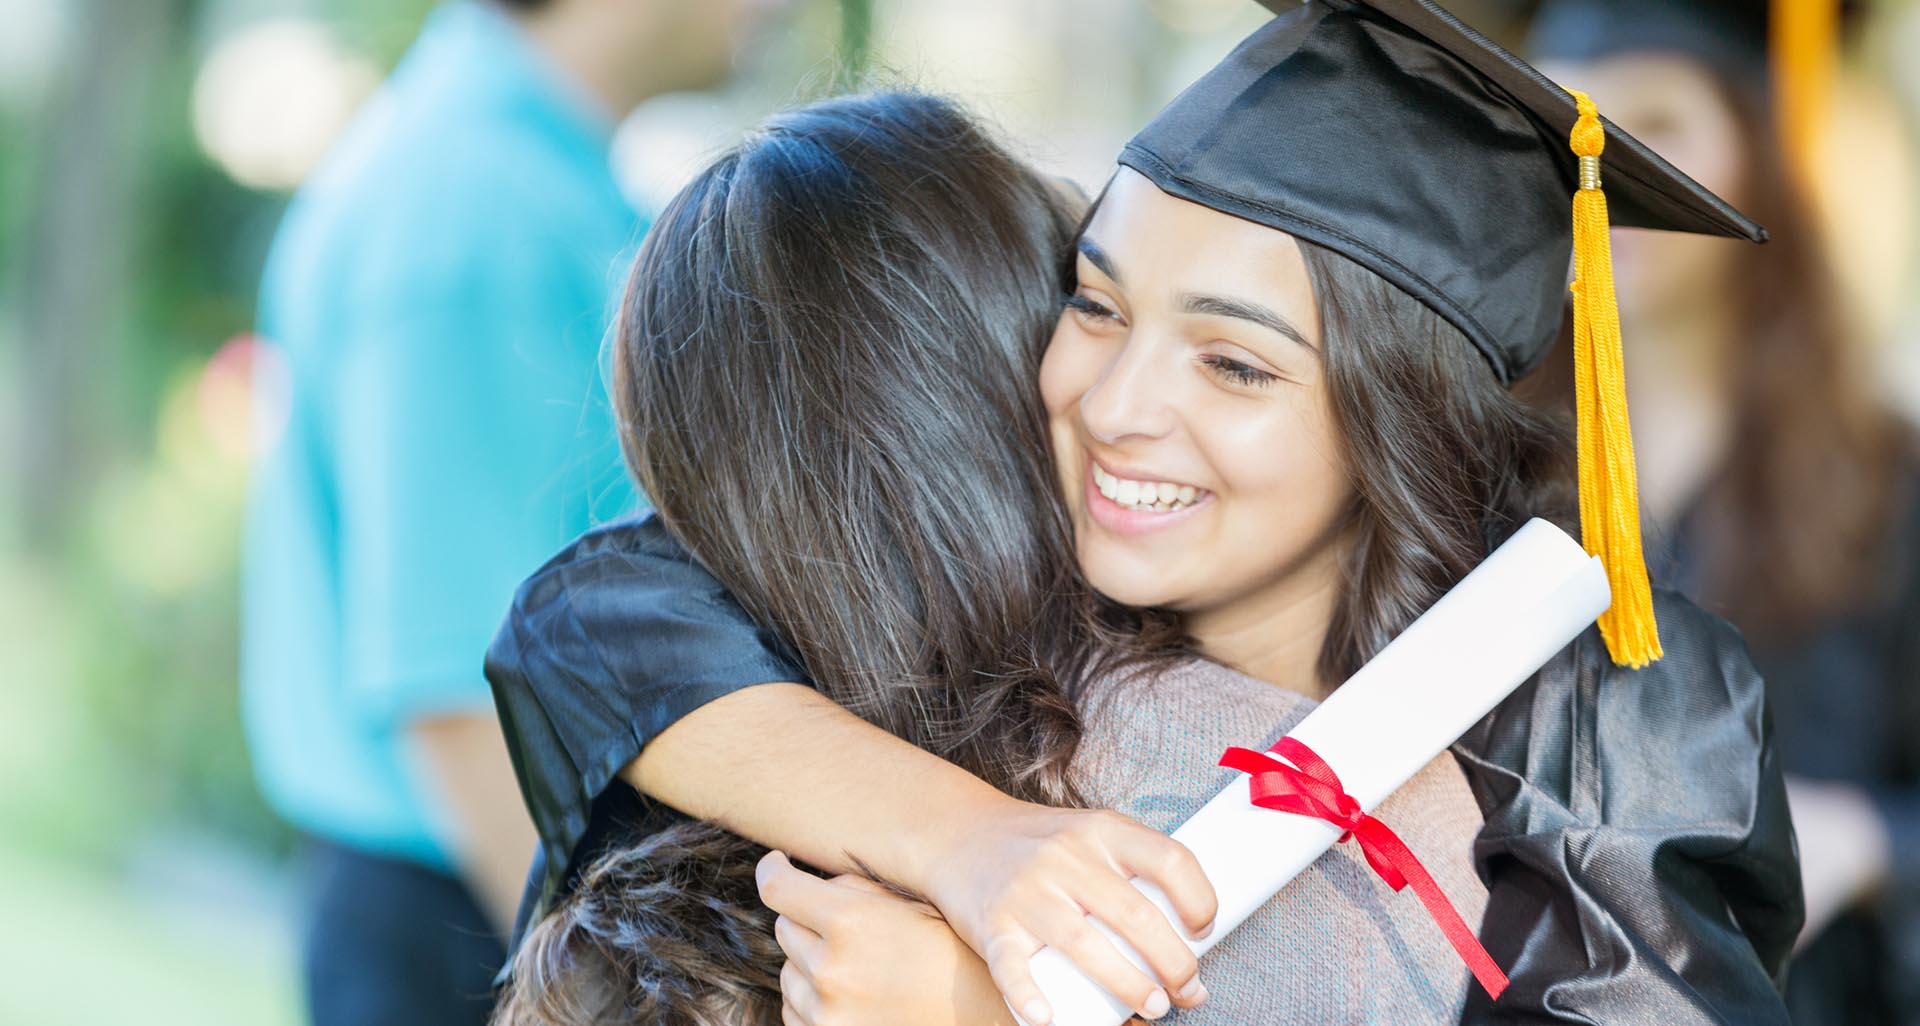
{"x": 151, "y": 668}
{"x": 119, "y": 567}
{"x": 128, "y": 813}
{"x": 127, "y": 259}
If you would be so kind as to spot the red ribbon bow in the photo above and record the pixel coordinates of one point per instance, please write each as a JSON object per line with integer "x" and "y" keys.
{"x": 1309, "y": 787}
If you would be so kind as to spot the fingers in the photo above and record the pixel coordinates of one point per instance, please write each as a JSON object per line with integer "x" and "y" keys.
{"x": 1009, "y": 959}
{"x": 799, "y": 1002}
{"x": 799, "y": 943}
{"x": 1166, "y": 862}
{"x": 795, "y": 893}
{"x": 1143, "y": 926}
{"x": 1068, "y": 930}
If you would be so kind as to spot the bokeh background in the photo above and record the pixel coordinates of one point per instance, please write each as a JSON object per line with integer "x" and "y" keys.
{"x": 147, "y": 148}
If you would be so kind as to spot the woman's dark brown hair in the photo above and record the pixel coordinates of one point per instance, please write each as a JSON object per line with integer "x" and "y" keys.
{"x": 824, "y": 374}
{"x": 824, "y": 381}
{"x": 1445, "y": 462}
{"x": 668, "y": 930}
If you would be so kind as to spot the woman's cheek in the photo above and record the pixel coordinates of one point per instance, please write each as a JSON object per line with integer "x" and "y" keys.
{"x": 1059, "y": 375}
{"x": 1070, "y": 367}
{"x": 1283, "y": 464}
{"x": 1058, "y": 394}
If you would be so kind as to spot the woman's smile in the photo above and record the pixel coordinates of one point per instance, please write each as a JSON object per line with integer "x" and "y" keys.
{"x": 1134, "y": 504}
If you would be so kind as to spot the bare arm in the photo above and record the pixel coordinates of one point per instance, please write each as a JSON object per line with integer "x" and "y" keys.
{"x": 464, "y": 761}
{"x": 785, "y": 766}
{"x": 623, "y": 657}
{"x": 788, "y": 767}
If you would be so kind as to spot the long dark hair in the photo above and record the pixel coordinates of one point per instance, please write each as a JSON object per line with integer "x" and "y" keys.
{"x": 824, "y": 381}
{"x": 824, "y": 374}
{"x": 1445, "y": 462}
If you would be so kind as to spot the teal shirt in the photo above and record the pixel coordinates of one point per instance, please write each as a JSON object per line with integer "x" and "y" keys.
{"x": 439, "y": 291}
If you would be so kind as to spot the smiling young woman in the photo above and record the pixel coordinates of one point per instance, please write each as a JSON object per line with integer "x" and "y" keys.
{"x": 1166, "y": 373}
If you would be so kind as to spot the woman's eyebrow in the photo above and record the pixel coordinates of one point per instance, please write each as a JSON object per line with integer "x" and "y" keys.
{"x": 1240, "y": 309}
{"x": 1098, "y": 257}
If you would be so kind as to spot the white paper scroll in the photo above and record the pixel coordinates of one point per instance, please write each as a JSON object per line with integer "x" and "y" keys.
{"x": 1482, "y": 640}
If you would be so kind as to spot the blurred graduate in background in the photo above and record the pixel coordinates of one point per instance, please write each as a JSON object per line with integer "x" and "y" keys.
{"x": 1786, "y": 492}
{"x": 439, "y": 291}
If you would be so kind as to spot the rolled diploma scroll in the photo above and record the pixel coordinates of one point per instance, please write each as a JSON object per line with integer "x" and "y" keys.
{"x": 1430, "y": 685}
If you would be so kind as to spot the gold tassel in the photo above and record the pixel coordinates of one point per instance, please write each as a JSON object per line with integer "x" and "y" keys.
{"x": 1609, "y": 495}
{"x": 1806, "y": 48}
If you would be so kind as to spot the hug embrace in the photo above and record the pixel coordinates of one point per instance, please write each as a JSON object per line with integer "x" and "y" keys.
{"x": 986, "y": 517}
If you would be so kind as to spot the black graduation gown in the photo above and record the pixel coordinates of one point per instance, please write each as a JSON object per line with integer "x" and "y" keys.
{"x": 608, "y": 644}
{"x": 1845, "y": 693}
{"x": 1637, "y": 850}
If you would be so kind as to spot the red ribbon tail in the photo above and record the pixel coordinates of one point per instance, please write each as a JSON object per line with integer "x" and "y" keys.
{"x": 1305, "y": 785}
{"x": 1459, "y": 934}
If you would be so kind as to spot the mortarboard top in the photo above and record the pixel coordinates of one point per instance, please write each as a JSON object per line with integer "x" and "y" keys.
{"x": 1395, "y": 135}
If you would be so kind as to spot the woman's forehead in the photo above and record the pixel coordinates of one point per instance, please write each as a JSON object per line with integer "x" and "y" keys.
{"x": 1149, "y": 241}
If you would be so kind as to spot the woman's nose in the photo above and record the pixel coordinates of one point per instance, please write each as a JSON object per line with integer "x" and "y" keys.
{"x": 1130, "y": 399}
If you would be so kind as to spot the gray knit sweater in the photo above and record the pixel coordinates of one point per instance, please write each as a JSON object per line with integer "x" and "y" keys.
{"x": 1336, "y": 946}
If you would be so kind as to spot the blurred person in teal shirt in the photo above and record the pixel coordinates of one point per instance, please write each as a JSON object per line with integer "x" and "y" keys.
{"x": 438, "y": 294}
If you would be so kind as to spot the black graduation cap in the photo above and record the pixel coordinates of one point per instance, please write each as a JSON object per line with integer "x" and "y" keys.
{"x": 1393, "y": 134}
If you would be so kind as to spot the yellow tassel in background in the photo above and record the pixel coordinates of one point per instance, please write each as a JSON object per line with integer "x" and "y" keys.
{"x": 1806, "y": 50}
{"x": 1609, "y": 493}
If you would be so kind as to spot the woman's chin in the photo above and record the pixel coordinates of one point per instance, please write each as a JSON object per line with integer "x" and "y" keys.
{"x": 1127, "y": 584}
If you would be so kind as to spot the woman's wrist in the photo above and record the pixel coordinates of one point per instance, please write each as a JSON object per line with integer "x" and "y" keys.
{"x": 951, "y": 819}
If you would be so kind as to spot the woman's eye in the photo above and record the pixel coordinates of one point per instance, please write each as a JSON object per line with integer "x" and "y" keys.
{"x": 1235, "y": 371}
{"x": 1091, "y": 309}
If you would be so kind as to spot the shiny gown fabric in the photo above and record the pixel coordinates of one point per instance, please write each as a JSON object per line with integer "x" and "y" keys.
{"x": 1845, "y": 693}
{"x": 608, "y": 644}
{"x": 1637, "y": 842}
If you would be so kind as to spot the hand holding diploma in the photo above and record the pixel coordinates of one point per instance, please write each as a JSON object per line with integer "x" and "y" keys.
{"x": 1479, "y": 642}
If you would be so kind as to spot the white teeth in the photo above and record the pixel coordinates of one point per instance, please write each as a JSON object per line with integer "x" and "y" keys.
{"x": 1151, "y": 496}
